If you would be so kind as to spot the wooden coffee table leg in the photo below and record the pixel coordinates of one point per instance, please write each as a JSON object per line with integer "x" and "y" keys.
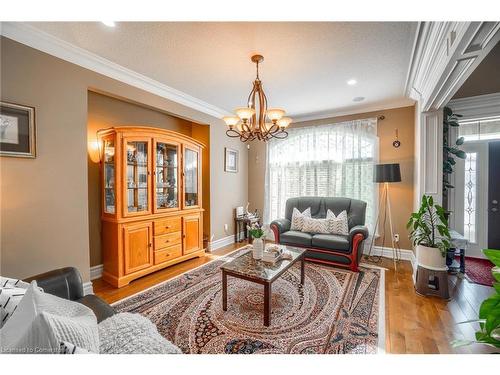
{"x": 302, "y": 270}
{"x": 267, "y": 304}
{"x": 224, "y": 291}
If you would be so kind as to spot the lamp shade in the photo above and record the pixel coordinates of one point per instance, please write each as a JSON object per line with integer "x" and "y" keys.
{"x": 387, "y": 173}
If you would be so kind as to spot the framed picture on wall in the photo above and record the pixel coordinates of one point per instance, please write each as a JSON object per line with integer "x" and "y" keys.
{"x": 231, "y": 160}
{"x": 17, "y": 130}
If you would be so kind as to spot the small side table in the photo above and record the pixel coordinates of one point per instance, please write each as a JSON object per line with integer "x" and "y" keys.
{"x": 240, "y": 222}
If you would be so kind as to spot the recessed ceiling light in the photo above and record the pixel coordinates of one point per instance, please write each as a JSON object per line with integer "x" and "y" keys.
{"x": 109, "y": 23}
{"x": 352, "y": 82}
{"x": 358, "y": 99}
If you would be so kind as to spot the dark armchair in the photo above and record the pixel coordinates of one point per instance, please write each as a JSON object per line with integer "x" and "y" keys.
{"x": 338, "y": 250}
{"x": 67, "y": 283}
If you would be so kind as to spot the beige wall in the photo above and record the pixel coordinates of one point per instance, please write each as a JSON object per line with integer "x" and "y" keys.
{"x": 44, "y": 201}
{"x": 401, "y": 193}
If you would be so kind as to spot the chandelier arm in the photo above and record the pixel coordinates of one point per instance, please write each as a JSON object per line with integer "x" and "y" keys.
{"x": 273, "y": 129}
{"x": 232, "y": 133}
{"x": 262, "y": 109}
{"x": 282, "y": 134}
{"x": 251, "y": 103}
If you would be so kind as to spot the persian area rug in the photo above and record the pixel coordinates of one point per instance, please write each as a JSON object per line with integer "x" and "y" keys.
{"x": 336, "y": 311}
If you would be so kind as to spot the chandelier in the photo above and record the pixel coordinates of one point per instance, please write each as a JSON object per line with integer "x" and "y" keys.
{"x": 255, "y": 121}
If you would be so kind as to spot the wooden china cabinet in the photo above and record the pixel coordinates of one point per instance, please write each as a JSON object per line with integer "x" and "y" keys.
{"x": 151, "y": 201}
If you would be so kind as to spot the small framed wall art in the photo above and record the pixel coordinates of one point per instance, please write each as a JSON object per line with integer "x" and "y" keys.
{"x": 17, "y": 130}
{"x": 231, "y": 160}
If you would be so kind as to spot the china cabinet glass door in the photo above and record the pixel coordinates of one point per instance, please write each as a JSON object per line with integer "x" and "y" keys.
{"x": 137, "y": 176}
{"x": 166, "y": 176}
{"x": 190, "y": 178}
{"x": 109, "y": 176}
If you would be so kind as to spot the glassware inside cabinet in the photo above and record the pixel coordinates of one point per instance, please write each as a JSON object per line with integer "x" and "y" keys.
{"x": 166, "y": 175}
{"x": 191, "y": 177}
{"x": 109, "y": 176}
{"x": 137, "y": 176}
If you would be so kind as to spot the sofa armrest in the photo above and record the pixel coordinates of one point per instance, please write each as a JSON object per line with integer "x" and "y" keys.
{"x": 279, "y": 226}
{"x": 283, "y": 225}
{"x": 63, "y": 282}
{"x": 358, "y": 229}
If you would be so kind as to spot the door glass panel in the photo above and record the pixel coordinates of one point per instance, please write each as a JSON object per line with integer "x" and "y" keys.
{"x": 470, "y": 196}
{"x": 109, "y": 176}
{"x": 166, "y": 175}
{"x": 191, "y": 177}
{"x": 137, "y": 176}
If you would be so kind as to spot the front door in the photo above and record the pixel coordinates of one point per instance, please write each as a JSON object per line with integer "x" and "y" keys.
{"x": 494, "y": 196}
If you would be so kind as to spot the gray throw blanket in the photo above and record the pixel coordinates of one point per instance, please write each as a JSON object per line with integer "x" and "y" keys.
{"x": 127, "y": 333}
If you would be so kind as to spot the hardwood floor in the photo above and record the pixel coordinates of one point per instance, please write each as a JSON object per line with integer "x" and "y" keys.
{"x": 414, "y": 324}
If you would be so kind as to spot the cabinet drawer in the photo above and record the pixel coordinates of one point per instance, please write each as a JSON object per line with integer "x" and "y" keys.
{"x": 167, "y": 225}
{"x": 166, "y": 240}
{"x": 169, "y": 253}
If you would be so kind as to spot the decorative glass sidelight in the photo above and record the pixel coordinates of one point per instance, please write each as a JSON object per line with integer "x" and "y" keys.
{"x": 470, "y": 197}
{"x": 109, "y": 176}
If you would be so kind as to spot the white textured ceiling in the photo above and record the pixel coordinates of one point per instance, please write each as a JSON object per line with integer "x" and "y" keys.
{"x": 305, "y": 69}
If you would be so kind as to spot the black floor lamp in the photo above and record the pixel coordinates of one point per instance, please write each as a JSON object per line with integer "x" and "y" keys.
{"x": 386, "y": 173}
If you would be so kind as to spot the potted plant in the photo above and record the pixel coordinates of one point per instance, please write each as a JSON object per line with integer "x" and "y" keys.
{"x": 429, "y": 234}
{"x": 257, "y": 233}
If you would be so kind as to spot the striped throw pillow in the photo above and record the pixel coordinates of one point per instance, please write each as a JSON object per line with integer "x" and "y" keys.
{"x": 298, "y": 218}
{"x": 316, "y": 225}
{"x": 338, "y": 224}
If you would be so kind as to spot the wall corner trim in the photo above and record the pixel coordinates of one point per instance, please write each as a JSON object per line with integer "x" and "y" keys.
{"x": 87, "y": 288}
{"x": 444, "y": 55}
{"x": 96, "y": 272}
{"x": 42, "y": 41}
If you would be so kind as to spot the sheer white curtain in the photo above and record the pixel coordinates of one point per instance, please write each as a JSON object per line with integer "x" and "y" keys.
{"x": 333, "y": 160}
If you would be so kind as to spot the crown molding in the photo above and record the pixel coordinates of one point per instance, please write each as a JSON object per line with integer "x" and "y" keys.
{"x": 477, "y": 107}
{"x": 399, "y": 103}
{"x": 443, "y": 57}
{"x": 40, "y": 40}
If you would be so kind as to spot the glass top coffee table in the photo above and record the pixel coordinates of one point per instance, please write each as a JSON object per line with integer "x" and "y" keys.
{"x": 257, "y": 271}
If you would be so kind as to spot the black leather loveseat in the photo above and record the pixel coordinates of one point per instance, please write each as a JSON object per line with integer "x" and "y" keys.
{"x": 67, "y": 283}
{"x": 345, "y": 251}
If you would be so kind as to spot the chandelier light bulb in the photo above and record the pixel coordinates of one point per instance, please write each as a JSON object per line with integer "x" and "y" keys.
{"x": 284, "y": 122}
{"x": 274, "y": 114}
{"x": 244, "y": 113}
{"x": 231, "y": 120}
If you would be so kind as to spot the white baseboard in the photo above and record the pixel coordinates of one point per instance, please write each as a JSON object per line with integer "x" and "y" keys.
{"x": 221, "y": 242}
{"x": 87, "y": 288}
{"x": 386, "y": 252}
{"x": 96, "y": 272}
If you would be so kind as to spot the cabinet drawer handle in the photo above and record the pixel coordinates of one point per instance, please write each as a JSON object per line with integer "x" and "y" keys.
{"x": 167, "y": 227}
{"x": 167, "y": 240}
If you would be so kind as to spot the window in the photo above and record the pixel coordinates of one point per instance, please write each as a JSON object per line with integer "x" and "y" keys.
{"x": 329, "y": 160}
{"x": 470, "y": 196}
